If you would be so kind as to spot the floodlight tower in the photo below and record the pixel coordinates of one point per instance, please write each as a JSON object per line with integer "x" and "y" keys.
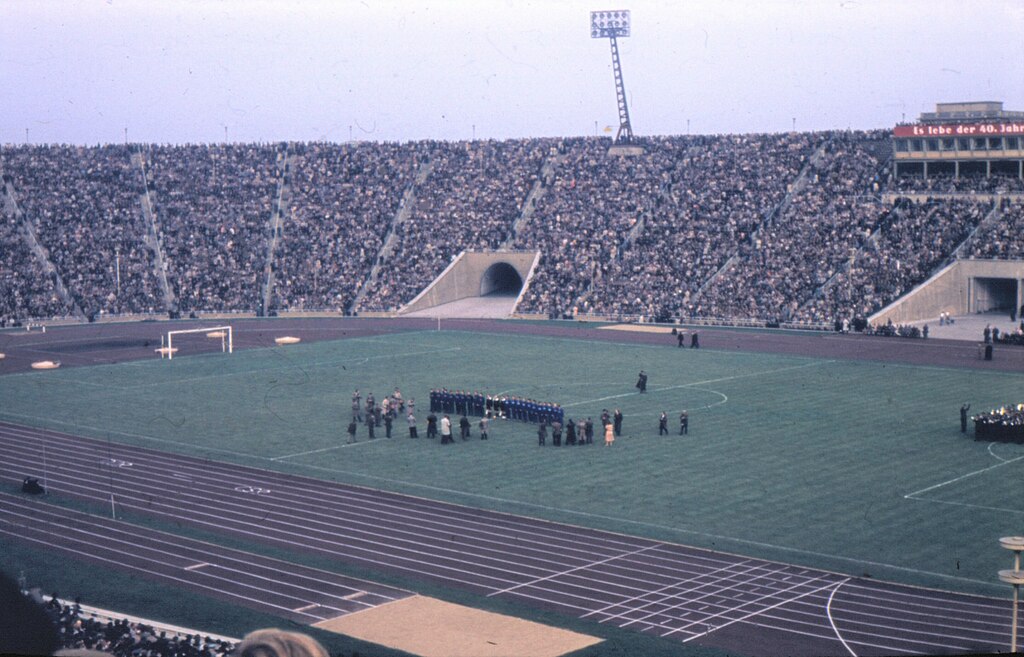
{"x": 611, "y": 25}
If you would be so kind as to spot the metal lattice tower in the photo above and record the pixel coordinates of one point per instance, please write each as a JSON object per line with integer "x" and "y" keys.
{"x": 611, "y": 25}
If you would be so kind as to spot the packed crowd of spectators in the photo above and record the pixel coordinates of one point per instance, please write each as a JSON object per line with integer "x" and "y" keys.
{"x": 125, "y": 638}
{"x": 472, "y": 196}
{"x": 890, "y": 330}
{"x": 213, "y": 206}
{"x": 774, "y": 228}
{"x": 1003, "y": 239}
{"x": 27, "y": 290}
{"x": 804, "y": 247}
{"x": 964, "y": 184}
{"x": 342, "y": 201}
{"x": 32, "y": 624}
{"x": 580, "y": 224}
{"x": 910, "y": 242}
{"x": 84, "y": 207}
{"x": 715, "y": 193}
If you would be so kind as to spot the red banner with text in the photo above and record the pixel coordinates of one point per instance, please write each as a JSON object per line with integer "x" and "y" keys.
{"x": 960, "y": 129}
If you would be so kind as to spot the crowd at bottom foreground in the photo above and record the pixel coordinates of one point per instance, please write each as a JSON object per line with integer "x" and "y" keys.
{"x": 30, "y": 625}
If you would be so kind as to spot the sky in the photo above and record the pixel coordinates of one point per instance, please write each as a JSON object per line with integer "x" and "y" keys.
{"x": 177, "y": 71}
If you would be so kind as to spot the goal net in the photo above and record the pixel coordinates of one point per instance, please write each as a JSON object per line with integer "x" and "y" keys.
{"x": 197, "y": 341}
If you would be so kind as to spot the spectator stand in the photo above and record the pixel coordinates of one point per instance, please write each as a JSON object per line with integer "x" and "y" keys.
{"x": 83, "y": 206}
{"x": 73, "y": 614}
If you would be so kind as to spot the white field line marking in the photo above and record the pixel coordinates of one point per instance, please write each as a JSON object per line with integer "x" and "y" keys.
{"x": 354, "y": 596}
{"x": 295, "y": 365}
{"x": 545, "y": 507}
{"x": 994, "y": 455}
{"x": 967, "y": 505}
{"x": 623, "y": 603}
{"x": 306, "y": 608}
{"x": 572, "y": 570}
{"x": 196, "y": 566}
{"x": 832, "y": 622}
{"x": 700, "y": 383}
{"x": 753, "y": 613}
{"x": 324, "y": 449}
{"x": 962, "y": 477}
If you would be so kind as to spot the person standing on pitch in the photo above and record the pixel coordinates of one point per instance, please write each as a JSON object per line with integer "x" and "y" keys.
{"x": 483, "y": 427}
{"x": 446, "y": 430}
{"x": 357, "y": 408}
{"x": 411, "y": 419}
{"x": 684, "y": 423}
{"x": 662, "y": 424}
{"x": 352, "y": 431}
{"x": 963, "y": 417}
{"x": 609, "y": 435}
{"x": 617, "y": 421}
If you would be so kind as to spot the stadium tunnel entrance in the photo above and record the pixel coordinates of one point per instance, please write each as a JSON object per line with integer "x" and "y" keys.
{"x": 501, "y": 279}
{"x": 995, "y": 294}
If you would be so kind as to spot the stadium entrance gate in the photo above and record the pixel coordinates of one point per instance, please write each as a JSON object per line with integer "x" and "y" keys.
{"x": 477, "y": 284}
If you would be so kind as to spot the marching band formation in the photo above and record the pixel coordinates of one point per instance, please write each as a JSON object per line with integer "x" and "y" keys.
{"x": 521, "y": 409}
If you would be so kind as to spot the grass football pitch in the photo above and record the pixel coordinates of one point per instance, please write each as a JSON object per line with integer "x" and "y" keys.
{"x": 855, "y": 467}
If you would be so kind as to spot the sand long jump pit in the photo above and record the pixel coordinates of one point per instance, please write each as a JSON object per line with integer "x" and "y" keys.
{"x": 434, "y": 628}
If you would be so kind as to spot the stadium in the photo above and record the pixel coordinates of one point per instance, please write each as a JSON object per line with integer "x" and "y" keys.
{"x": 219, "y": 363}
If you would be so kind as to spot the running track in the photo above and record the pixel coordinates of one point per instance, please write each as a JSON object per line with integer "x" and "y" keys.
{"x": 748, "y": 606}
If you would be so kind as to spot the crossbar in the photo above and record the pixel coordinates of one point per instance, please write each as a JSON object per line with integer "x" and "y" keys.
{"x": 229, "y": 346}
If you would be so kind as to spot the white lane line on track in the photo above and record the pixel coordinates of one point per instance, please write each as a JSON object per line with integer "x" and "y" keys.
{"x": 859, "y": 642}
{"x": 69, "y": 438}
{"x": 121, "y": 563}
{"x": 577, "y": 568}
{"x": 574, "y": 512}
{"x": 705, "y": 382}
{"x": 118, "y": 532}
{"x": 751, "y": 614}
{"x": 196, "y": 566}
{"x": 623, "y": 603}
{"x": 710, "y": 594}
{"x": 831, "y": 620}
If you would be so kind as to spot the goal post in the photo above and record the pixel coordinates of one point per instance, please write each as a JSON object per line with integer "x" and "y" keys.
{"x": 223, "y": 332}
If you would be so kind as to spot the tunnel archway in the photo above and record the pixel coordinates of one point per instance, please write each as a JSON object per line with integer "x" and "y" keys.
{"x": 501, "y": 279}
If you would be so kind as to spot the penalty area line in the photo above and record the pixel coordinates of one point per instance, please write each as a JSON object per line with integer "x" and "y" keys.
{"x": 961, "y": 477}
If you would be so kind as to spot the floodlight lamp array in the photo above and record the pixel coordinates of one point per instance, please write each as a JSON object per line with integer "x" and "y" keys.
{"x": 604, "y": 24}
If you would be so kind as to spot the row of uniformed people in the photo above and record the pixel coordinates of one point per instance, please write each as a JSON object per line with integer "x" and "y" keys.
{"x": 459, "y": 402}
{"x": 522, "y": 409}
